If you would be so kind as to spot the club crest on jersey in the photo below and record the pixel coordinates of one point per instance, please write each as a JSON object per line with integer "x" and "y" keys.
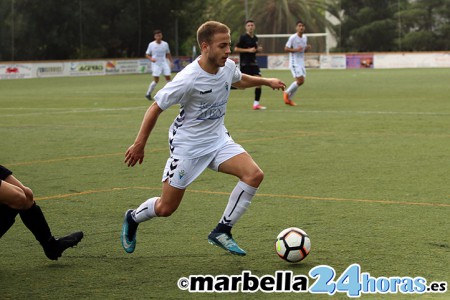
{"x": 181, "y": 174}
{"x": 226, "y": 86}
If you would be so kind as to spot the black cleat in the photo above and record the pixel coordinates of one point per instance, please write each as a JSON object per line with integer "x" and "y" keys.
{"x": 149, "y": 97}
{"x": 56, "y": 247}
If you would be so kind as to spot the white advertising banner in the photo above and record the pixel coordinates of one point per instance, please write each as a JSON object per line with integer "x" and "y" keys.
{"x": 278, "y": 62}
{"x": 281, "y": 61}
{"x": 337, "y": 61}
{"x": 145, "y": 66}
{"x": 128, "y": 66}
{"x": 312, "y": 61}
{"x": 87, "y": 68}
{"x": 411, "y": 60}
{"x": 51, "y": 69}
{"x": 11, "y": 70}
{"x": 15, "y": 71}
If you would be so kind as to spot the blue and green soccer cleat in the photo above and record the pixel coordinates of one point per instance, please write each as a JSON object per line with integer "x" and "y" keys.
{"x": 128, "y": 242}
{"x": 226, "y": 242}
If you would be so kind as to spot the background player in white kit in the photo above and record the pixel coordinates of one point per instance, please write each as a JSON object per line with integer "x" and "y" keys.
{"x": 296, "y": 45}
{"x": 158, "y": 52}
{"x": 198, "y": 138}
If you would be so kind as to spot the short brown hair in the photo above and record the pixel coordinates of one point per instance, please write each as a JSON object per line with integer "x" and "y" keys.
{"x": 208, "y": 29}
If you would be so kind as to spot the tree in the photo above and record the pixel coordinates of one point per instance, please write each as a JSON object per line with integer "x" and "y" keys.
{"x": 36, "y": 29}
{"x": 369, "y": 25}
{"x": 83, "y": 29}
{"x": 7, "y": 37}
{"x": 273, "y": 16}
{"x": 426, "y": 24}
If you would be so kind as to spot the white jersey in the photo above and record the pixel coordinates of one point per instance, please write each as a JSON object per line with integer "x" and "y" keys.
{"x": 158, "y": 51}
{"x": 294, "y": 41}
{"x": 199, "y": 128}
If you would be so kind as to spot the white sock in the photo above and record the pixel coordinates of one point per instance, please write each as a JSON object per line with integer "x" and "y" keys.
{"x": 151, "y": 87}
{"x": 238, "y": 203}
{"x": 255, "y": 103}
{"x": 292, "y": 88}
{"x": 145, "y": 211}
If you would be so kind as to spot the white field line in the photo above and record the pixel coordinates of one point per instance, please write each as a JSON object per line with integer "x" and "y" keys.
{"x": 55, "y": 111}
{"x": 418, "y": 113}
{"x": 51, "y": 111}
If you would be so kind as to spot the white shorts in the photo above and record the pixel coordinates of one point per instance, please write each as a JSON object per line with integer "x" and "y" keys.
{"x": 158, "y": 69}
{"x": 182, "y": 172}
{"x": 298, "y": 71}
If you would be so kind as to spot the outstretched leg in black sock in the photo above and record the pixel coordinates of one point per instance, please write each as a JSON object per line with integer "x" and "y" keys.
{"x": 7, "y": 218}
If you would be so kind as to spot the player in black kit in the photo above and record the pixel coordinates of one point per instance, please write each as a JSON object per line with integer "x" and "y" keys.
{"x": 247, "y": 47}
{"x": 17, "y": 199}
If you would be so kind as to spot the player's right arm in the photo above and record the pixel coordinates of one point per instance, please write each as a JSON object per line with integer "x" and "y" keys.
{"x": 149, "y": 53}
{"x": 150, "y": 58}
{"x": 238, "y": 48}
{"x": 289, "y": 47}
{"x": 241, "y": 50}
{"x": 251, "y": 81}
{"x": 299, "y": 49}
{"x": 135, "y": 152}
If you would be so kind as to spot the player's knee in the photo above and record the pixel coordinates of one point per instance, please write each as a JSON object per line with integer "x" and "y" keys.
{"x": 29, "y": 198}
{"x": 165, "y": 211}
{"x": 19, "y": 200}
{"x": 255, "y": 177}
{"x": 29, "y": 194}
{"x": 259, "y": 176}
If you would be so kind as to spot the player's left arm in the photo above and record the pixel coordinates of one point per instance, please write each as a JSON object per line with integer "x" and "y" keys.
{"x": 252, "y": 81}
{"x": 169, "y": 57}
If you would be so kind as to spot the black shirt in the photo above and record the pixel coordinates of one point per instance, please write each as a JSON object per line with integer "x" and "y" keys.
{"x": 245, "y": 42}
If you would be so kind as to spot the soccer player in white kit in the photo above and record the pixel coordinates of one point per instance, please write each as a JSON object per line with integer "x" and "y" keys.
{"x": 198, "y": 138}
{"x": 158, "y": 52}
{"x": 296, "y": 45}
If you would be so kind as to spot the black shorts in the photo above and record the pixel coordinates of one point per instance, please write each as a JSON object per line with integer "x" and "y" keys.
{"x": 4, "y": 173}
{"x": 251, "y": 70}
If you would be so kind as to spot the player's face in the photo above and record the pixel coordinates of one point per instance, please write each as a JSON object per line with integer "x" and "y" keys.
{"x": 250, "y": 27}
{"x": 219, "y": 49}
{"x": 158, "y": 36}
{"x": 300, "y": 28}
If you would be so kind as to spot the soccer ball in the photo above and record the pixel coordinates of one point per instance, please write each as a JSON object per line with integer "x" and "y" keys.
{"x": 293, "y": 244}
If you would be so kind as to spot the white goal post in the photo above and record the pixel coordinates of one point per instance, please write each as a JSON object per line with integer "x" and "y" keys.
{"x": 324, "y": 48}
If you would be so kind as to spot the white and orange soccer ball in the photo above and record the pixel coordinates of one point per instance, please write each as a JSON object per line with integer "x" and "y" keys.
{"x": 293, "y": 244}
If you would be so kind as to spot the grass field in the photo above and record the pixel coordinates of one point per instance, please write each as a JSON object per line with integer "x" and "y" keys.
{"x": 362, "y": 165}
